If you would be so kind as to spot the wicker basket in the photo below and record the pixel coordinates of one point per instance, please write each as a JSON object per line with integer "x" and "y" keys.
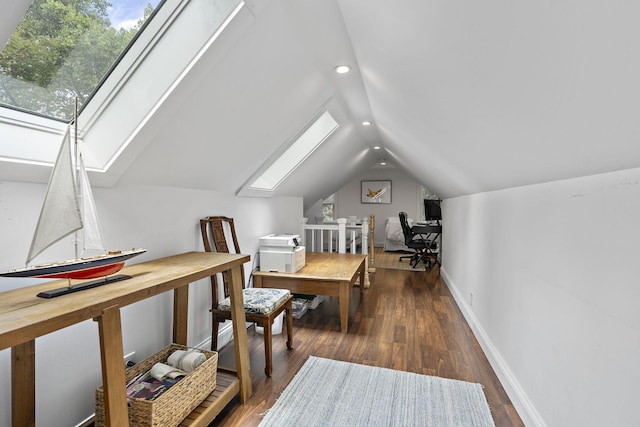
{"x": 172, "y": 406}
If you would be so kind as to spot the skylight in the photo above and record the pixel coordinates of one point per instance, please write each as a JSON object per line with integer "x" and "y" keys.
{"x": 301, "y": 148}
{"x": 63, "y": 49}
{"x": 127, "y": 99}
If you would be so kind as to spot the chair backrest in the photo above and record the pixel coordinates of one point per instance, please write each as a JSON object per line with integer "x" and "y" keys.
{"x": 406, "y": 229}
{"x": 215, "y": 230}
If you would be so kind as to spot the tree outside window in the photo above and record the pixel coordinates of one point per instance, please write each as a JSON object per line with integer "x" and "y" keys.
{"x": 61, "y": 50}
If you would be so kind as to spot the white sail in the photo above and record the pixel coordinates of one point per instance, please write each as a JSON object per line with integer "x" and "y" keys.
{"x": 60, "y": 214}
{"x": 91, "y": 226}
{"x": 68, "y": 207}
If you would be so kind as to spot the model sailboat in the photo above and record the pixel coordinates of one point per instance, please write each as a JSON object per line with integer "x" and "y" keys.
{"x": 68, "y": 208}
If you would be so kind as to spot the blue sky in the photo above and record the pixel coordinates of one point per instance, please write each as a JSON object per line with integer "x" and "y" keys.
{"x": 125, "y": 13}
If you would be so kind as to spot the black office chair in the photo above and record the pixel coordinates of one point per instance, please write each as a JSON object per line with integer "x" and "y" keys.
{"x": 433, "y": 216}
{"x": 420, "y": 239}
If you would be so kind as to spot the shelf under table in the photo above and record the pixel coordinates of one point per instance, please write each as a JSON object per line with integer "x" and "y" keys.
{"x": 227, "y": 387}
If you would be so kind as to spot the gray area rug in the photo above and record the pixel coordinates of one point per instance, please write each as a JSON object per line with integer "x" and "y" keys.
{"x": 332, "y": 393}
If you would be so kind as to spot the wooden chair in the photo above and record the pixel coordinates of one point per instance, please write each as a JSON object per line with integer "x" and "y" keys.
{"x": 262, "y": 306}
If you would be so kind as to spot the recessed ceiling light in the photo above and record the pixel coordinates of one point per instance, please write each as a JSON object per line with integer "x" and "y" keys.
{"x": 383, "y": 163}
{"x": 341, "y": 69}
{"x": 366, "y": 123}
{"x": 377, "y": 147}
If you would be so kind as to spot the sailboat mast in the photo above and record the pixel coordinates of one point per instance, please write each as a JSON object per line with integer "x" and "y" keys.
{"x": 77, "y": 169}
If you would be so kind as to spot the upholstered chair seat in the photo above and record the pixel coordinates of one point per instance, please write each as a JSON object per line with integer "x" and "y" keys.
{"x": 259, "y": 300}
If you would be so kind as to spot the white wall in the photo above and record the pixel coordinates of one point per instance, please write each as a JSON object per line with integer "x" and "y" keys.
{"x": 162, "y": 220}
{"x": 405, "y": 196}
{"x": 547, "y": 277}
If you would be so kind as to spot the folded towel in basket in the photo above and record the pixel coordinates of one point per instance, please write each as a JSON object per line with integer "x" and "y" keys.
{"x": 186, "y": 360}
{"x": 161, "y": 371}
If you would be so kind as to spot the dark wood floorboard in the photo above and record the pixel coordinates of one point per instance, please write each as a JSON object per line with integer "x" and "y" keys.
{"x": 406, "y": 321}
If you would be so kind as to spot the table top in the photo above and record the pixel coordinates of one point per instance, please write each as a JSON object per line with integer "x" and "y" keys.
{"x": 24, "y": 316}
{"x": 328, "y": 266}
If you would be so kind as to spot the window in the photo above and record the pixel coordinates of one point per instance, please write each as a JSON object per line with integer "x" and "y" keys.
{"x": 112, "y": 116}
{"x": 294, "y": 155}
{"x": 65, "y": 49}
{"x": 328, "y": 208}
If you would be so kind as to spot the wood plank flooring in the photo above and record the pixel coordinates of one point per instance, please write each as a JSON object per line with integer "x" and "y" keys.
{"x": 406, "y": 320}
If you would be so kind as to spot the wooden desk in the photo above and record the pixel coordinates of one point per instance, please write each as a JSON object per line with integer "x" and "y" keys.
{"x": 25, "y": 317}
{"x": 325, "y": 273}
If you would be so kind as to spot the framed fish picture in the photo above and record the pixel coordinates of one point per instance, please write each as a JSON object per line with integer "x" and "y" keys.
{"x": 376, "y": 192}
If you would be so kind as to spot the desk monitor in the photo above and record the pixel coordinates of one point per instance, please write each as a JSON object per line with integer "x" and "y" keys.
{"x": 432, "y": 210}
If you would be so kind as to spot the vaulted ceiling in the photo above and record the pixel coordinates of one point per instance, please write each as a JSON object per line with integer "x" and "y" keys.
{"x": 465, "y": 96}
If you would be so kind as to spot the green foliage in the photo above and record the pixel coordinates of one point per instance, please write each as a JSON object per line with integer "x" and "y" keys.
{"x": 61, "y": 50}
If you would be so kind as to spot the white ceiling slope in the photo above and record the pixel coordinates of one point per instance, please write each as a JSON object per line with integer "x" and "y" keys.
{"x": 231, "y": 114}
{"x": 466, "y": 96}
{"x": 476, "y": 96}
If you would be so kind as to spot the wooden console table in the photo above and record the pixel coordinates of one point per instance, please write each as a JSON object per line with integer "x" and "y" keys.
{"x": 325, "y": 273}
{"x": 25, "y": 317}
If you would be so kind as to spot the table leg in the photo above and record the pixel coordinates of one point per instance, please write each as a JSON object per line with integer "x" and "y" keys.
{"x": 240, "y": 333}
{"x": 23, "y": 384}
{"x": 113, "y": 377}
{"x": 345, "y": 292}
{"x": 180, "y": 314}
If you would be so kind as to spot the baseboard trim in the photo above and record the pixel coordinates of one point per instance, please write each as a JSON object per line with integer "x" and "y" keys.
{"x": 519, "y": 399}
{"x": 225, "y": 335}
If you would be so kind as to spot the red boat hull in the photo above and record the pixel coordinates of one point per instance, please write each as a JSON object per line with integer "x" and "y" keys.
{"x": 78, "y": 269}
{"x": 88, "y": 273}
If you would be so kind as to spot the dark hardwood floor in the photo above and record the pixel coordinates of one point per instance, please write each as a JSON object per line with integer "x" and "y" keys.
{"x": 406, "y": 321}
